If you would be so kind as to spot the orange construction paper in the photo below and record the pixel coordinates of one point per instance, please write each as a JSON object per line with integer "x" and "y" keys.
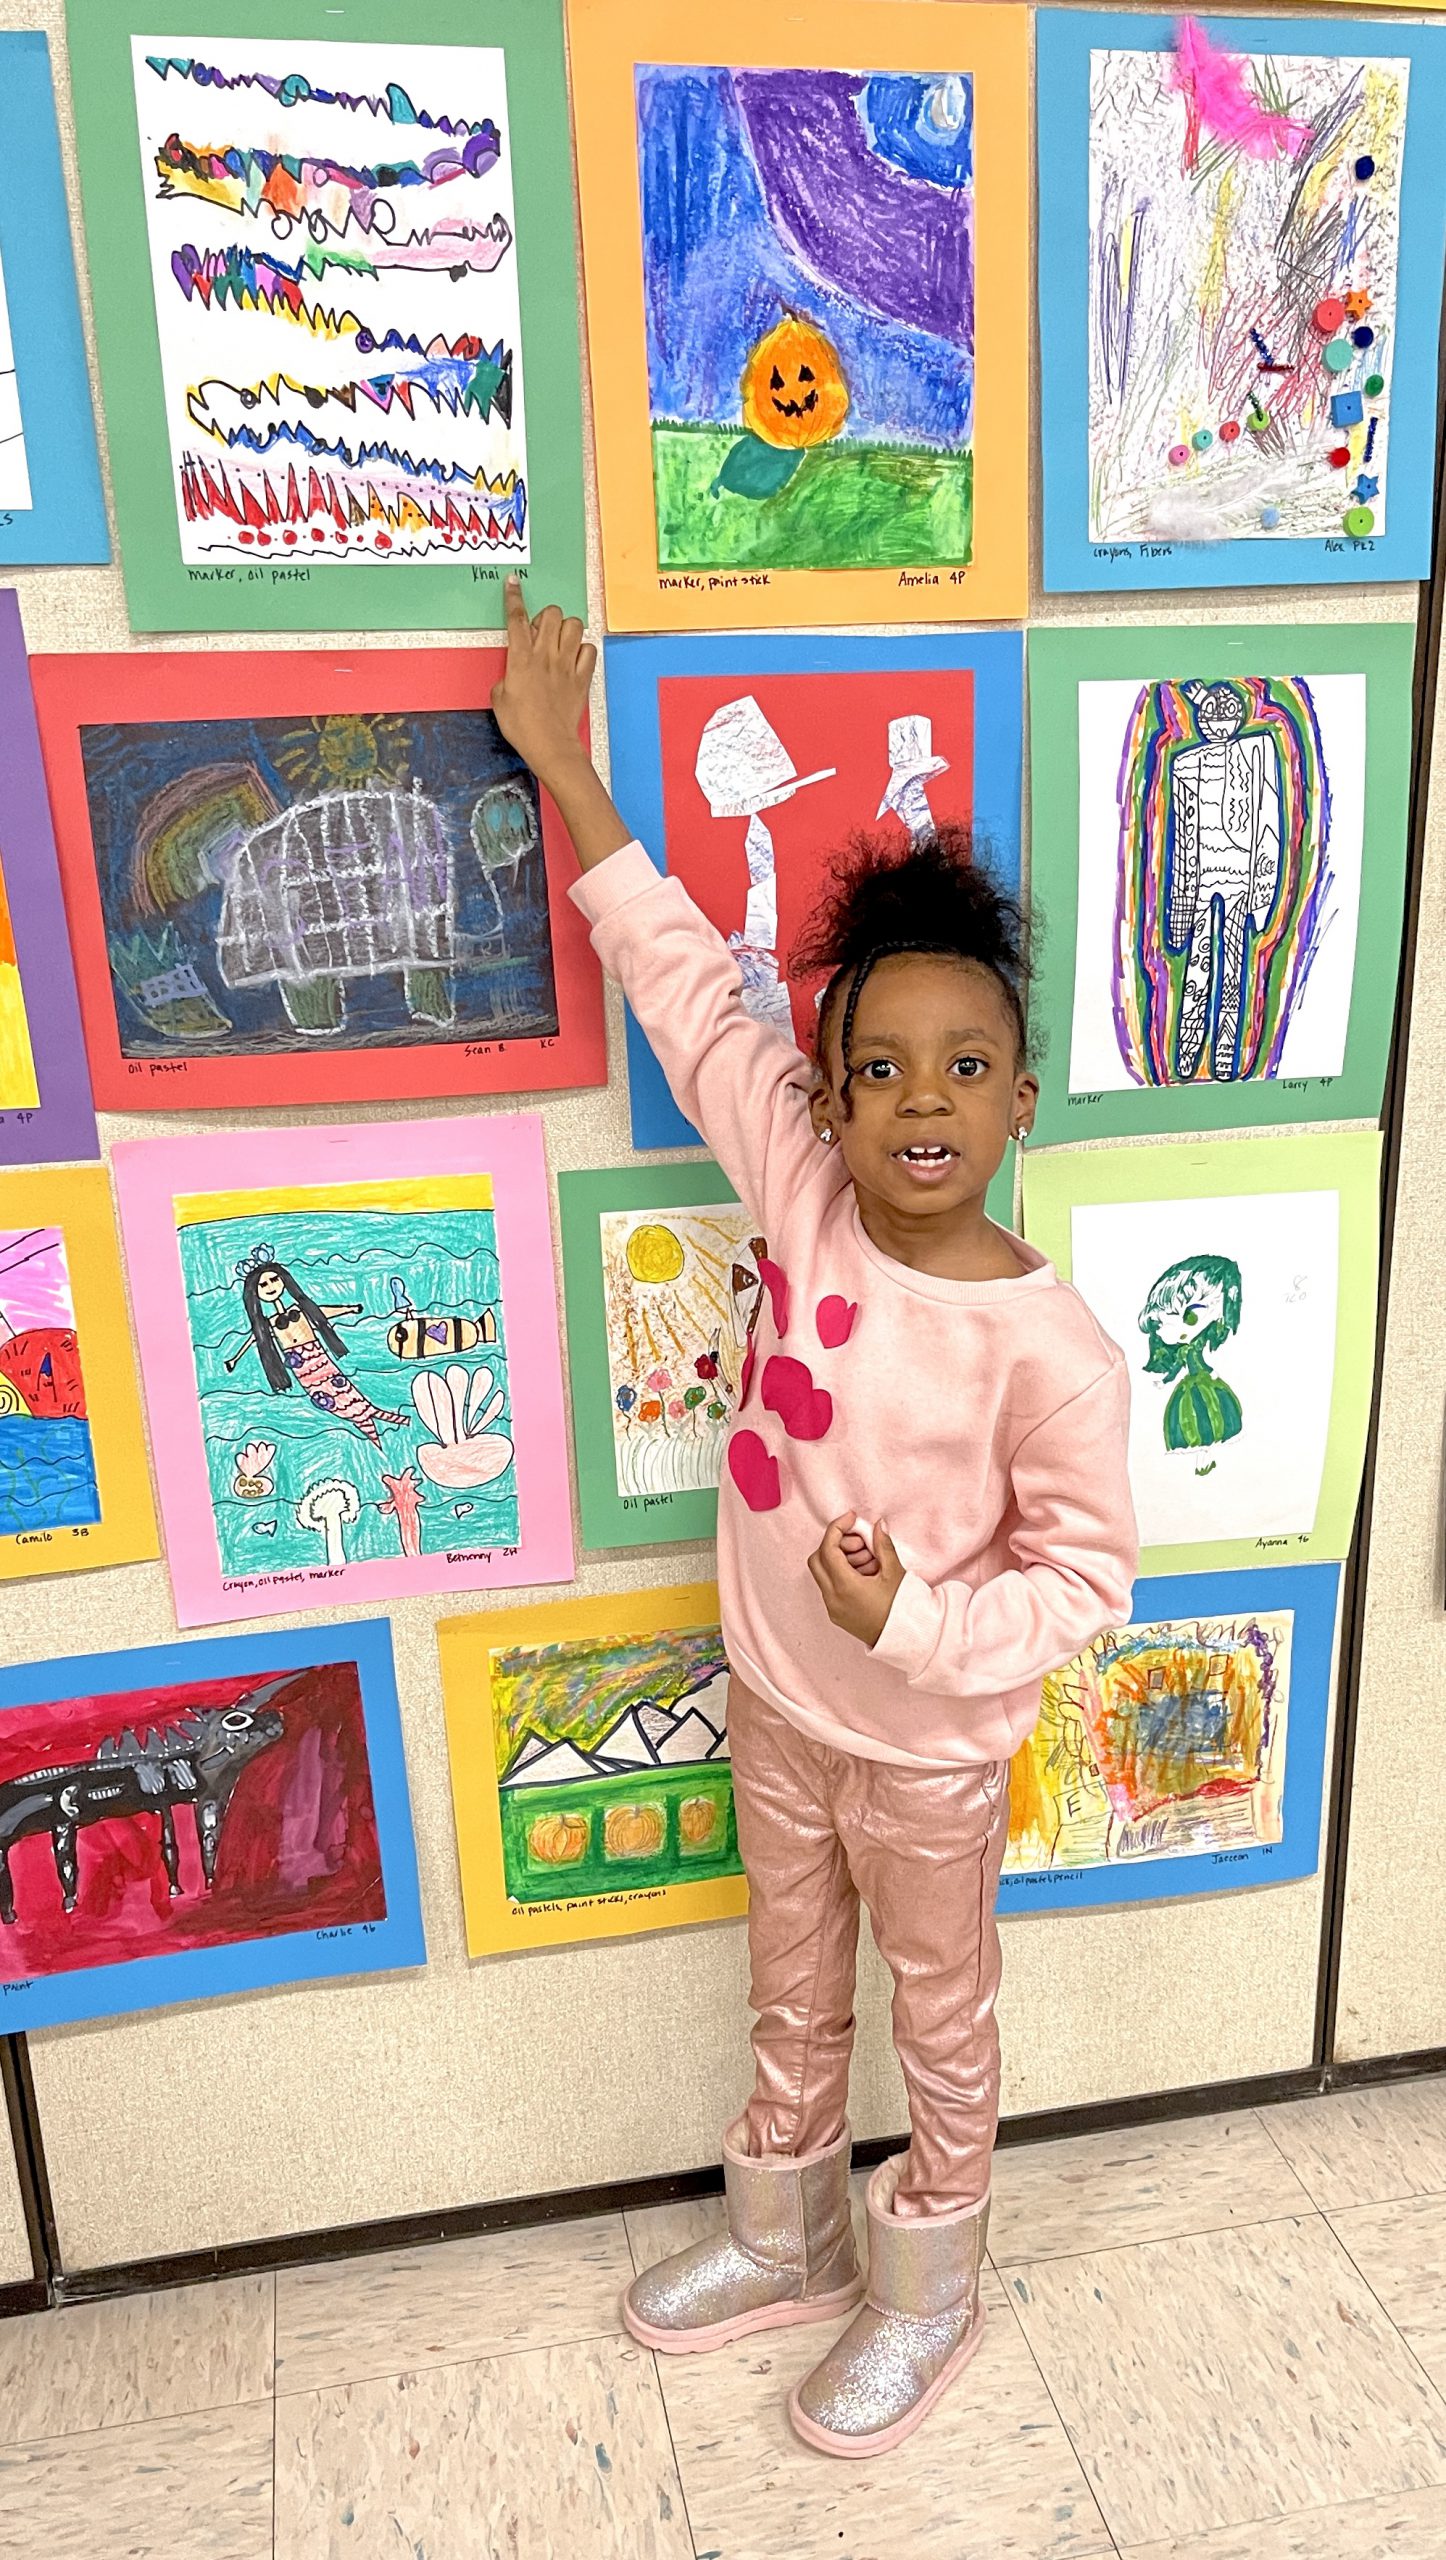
{"x": 608, "y": 39}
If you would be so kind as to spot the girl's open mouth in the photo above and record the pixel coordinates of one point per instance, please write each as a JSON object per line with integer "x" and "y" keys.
{"x": 926, "y": 1163}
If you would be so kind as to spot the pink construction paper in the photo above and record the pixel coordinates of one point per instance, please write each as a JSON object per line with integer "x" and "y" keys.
{"x": 150, "y": 1173}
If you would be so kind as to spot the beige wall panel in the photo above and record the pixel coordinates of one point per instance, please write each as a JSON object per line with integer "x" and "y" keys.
{"x": 15, "y": 2261}
{"x": 349, "y": 2102}
{"x": 1393, "y": 1975}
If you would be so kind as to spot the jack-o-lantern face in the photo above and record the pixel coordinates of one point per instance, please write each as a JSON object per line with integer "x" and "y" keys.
{"x": 794, "y": 392}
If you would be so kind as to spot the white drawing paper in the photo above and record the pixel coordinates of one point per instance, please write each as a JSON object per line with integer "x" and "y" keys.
{"x": 1196, "y": 251}
{"x": 14, "y": 470}
{"x": 334, "y": 264}
{"x": 1315, "y": 1035}
{"x": 1276, "y": 1363}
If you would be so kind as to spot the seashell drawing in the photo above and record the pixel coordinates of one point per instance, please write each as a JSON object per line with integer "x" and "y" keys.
{"x": 459, "y": 1406}
{"x": 253, "y": 1478}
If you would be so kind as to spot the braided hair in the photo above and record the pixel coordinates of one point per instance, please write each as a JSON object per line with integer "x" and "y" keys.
{"x": 881, "y": 900}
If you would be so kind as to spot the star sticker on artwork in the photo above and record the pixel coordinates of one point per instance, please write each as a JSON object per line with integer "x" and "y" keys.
{"x": 1366, "y": 487}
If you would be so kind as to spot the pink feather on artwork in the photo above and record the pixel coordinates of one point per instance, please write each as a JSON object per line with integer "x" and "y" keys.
{"x": 1220, "y": 99}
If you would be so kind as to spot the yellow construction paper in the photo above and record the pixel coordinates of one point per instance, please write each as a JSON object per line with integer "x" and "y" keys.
{"x": 609, "y": 39}
{"x": 594, "y": 1855}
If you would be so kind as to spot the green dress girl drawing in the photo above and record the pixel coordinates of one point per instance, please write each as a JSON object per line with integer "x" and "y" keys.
{"x": 1192, "y": 1309}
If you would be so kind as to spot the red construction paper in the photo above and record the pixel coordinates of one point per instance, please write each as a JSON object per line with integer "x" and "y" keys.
{"x": 75, "y": 689}
{"x": 838, "y": 719}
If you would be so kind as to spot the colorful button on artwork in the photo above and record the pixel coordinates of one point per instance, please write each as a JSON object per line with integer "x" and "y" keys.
{"x": 1328, "y": 315}
{"x": 1230, "y": 431}
{"x": 1337, "y": 355}
{"x": 1179, "y": 453}
{"x": 1270, "y": 518}
{"x": 1359, "y": 522}
{"x": 1375, "y": 385}
{"x": 1347, "y": 409}
{"x": 1339, "y": 456}
{"x": 1357, "y": 305}
{"x": 1201, "y": 438}
{"x": 1365, "y": 167}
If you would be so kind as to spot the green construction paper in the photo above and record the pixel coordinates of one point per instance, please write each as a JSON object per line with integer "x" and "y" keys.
{"x": 163, "y": 593}
{"x": 611, "y": 1518}
{"x": 1061, "y": 1179}
{"x": 1060, "y": 660}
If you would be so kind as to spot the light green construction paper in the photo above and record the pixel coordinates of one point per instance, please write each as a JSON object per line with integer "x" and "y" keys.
{"x": 1063, "y": 1178}
{"x": 610, "y": 1518}
{"x": 162, "y": 592}
{"x": 1059, "y": 661}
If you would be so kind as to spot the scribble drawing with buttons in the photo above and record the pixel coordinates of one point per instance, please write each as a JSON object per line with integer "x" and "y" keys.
{"x": 924, "y": 1509}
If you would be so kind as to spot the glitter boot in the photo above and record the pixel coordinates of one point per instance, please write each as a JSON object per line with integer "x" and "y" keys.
{"x": 787, "y": 2255}
{"x": 919, "y": 2326}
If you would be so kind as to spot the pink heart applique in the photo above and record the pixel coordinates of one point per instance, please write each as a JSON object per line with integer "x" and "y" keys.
{"x": 775, "y": 1282}
{"x": 834, "y": 1318}
{"x": 754, "y": 1472}
{"x": 805, "y": 1411}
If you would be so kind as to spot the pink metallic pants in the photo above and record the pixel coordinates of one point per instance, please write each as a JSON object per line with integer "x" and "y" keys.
{"x": 819, "y": 1830}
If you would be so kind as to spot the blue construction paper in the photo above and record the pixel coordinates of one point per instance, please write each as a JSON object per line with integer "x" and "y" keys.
{"x": 633, "y": 669}
{"x": 1311, "y": 1592}
{"x": 65, "y": 521}
{"x": 258, "y": 1964}
{"x": 1064, "y": 41}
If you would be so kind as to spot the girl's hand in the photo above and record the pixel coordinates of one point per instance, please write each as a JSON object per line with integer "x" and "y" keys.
{"x": 543, "y": 694}
{"x": 858, "y": 1588}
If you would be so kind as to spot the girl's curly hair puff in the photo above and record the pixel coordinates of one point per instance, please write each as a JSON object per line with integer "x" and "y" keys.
{"x": 881, "y": 899}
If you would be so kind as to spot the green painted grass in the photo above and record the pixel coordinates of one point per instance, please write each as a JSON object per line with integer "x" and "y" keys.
{"x": 848, "y": 506}
{"x": 533, "y": 1879}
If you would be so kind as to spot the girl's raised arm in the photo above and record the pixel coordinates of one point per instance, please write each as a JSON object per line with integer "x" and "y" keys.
{"x": 738, "y": 1081}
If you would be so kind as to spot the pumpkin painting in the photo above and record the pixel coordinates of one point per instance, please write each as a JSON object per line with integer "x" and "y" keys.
{"x": 794, "y": 392}
{"x": 558, "y": 1839}
{"x": 634, "y": 1830}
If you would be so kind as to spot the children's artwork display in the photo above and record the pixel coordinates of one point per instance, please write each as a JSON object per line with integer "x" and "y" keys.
{"x": 1238, "y": 1277}
{"x": 334, "y": 282}
{"x": 294, "y": 877}
{"x": 74, "y": 1487}
{"x": 1183, "y": 1753}
{"x": 194, "y": 1819}
{"x": 806, "y": 264}
{"x": 1207, "y": 808}
{"x": 45, "y": 1106}
{"x": 1240, "y": 254}
{"x": 660, "y": 1269}
{"x": 52, "y": 510}
{"x": 590, "y": 1770}
{"x": 351, "y": 1367}
{"x": 746, "y": 764}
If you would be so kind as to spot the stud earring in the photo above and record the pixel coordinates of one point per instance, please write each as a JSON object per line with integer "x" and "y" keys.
{"x": 827, "y": 1136}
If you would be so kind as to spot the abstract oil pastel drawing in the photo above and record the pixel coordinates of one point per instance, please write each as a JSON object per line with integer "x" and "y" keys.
{"x": 1158, "y": 1741}
{"x": 1224, "y": 876}
{"x": 333, "y": 260}
{"x": 1242, "y": 295}
{"x": 47, "y": 1458}
{"x": 808, "y": 256}
{"x": 351, "y": 879}
{"x": 681, "y": 1293}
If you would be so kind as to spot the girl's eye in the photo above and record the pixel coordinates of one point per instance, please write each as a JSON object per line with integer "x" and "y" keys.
{"x": 878, "y": 1070}
{"x": 968, "y": 1068}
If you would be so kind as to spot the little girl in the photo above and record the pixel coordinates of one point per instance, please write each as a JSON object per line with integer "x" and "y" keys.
{"x": 925, "y": 1508}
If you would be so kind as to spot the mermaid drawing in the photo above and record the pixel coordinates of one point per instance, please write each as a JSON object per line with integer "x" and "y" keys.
{"x": 297, "y": 1341}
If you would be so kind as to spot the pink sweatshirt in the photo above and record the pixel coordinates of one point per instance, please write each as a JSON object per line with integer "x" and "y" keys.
{"x": 984, "y": 1420}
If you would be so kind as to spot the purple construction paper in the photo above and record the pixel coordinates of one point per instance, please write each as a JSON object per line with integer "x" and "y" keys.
{"x": 62, "y": 1129}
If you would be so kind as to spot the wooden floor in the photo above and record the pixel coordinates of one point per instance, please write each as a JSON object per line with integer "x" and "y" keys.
{"x": 1221, "y": 2340}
